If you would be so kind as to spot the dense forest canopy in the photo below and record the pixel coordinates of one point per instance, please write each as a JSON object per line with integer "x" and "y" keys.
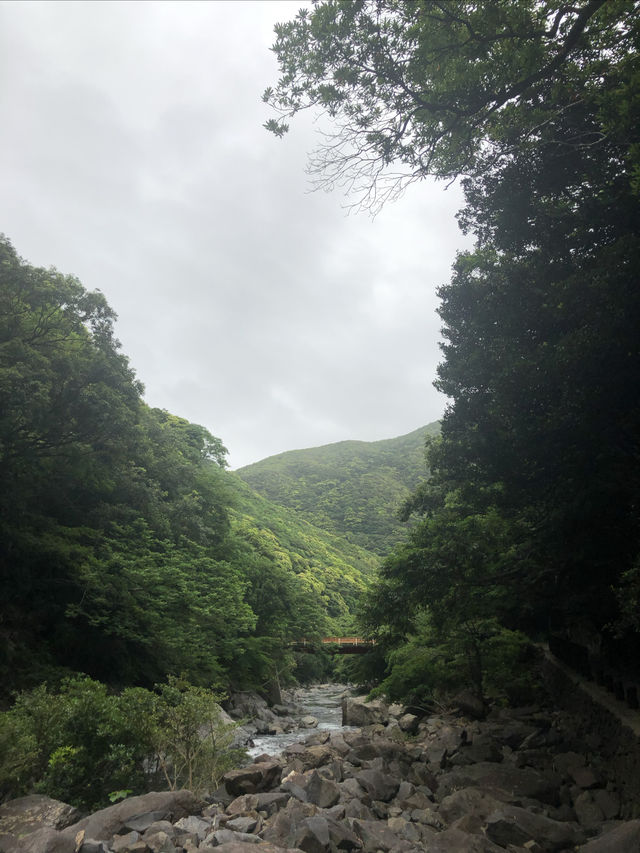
{"x": 530, "y": 519}
{"x": 127, "y": 551}
{"x": 353, "y": 488}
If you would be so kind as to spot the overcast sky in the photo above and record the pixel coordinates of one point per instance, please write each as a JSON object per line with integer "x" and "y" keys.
{"x": 132, "y": 155}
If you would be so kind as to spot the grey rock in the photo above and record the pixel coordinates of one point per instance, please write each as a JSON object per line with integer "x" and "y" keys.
{"x": 312, "y": 835}
{"x": 244, "y": 823}
{"x": 564, "y": 762}
{"x": 92, "y": 846}
{"x": 468, "y": 801}
{"x": 225, "y": 836}
{"x": 514, "y": 825}
{"x": 378, "y": 785}
{"x": 239, "y": 846}
{"x": 350, "y": 789}
{"x": 161, "y": 826}
{"x": 481, "y": 748}
{"x": 358, "y": 712}
{"x": 375, "y": 835}
{"x": 456, "y": 841}
{"x": 404, "y": 829}
{"x": 408, "y": 723}
{"x": 418, "y": 800}
{"x": 121, "y": 843}
{"x": 421, "y": 775}
{"x": 283, "y": 710}
{"x": 49, "y": 840}
{"x": 584, "y": 777}
{"x": 625, "y": 838}
{"x": 135, "y": 812}
{"x": 160, "y": 842}
{"x": 322, "y": 792}
{"x": 608, "y": 802}
{"x": 143, "y": 822}
{"x": 308, "y": 721}
{"x": 405, "y": 790}
{"x": 469, "y": 704}
{"x": 197, "y": 825}
{"x": 261, "y": 776}
{"x": 428, "y": 817}
{"x": 26, "y": 814}
{"x": 313, "y": 756}
{"x": 357, "y": 809}
{"x": 245, "y": 704}
{"x": 588, "y": 812}
{"x": 266, "y": 801}
{"x": 508, "y": 784}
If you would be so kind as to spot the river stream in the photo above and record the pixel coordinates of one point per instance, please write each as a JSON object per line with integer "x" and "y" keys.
{"x": 322, "y": 701}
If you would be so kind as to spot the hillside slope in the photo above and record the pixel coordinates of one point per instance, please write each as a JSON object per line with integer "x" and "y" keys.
{"x": 352, "y": 488}
{"x": 336, "y": 570}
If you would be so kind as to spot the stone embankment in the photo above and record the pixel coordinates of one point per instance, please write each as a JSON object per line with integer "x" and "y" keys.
{"x": 518, "y": 781}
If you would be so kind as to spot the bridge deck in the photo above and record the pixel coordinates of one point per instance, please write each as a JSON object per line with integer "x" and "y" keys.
{"x": 337, "y": 645}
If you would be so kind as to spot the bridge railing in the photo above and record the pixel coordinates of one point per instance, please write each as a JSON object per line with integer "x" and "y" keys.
{"x": 336, "y": 641}
{"x": 347, "y": 641}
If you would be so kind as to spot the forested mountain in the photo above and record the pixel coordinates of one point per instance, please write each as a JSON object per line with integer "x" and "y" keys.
{"x": 127, "y": 551}
{"x": 330, "y": 566}
{"x": 353, "y": 488}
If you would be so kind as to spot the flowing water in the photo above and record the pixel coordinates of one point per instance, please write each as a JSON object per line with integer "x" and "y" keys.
{"x": 322, "y": 701}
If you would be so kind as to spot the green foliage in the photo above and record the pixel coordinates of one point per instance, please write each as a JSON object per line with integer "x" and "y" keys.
{"x": 438, "y": 88}
{"x": 86, "y": 746}
{"x": 78, "y": 744}
{"x": 529, "y": 519}
{"x": 352, "y": 488}
{"x": 121, "y": 553}
{"x": 431, "y": 667}
{"x": 304, "y": 581}
{"x": 192, "y": 742}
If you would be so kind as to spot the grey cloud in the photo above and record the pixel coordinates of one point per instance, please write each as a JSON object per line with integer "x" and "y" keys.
{"x": 133, "y": 156}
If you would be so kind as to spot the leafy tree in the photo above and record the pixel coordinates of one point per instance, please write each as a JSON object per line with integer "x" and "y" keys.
{"x": 534, "y": 492}
{"x": 438, "y": 88}
{"x": 541, "y": 349}
{"x": 192, "y": 742}
{"x": 87, "y": 746}
{"x": 114, "y": 530}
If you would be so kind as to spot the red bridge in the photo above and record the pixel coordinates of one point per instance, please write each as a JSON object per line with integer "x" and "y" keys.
{"x": 337, "y": 645}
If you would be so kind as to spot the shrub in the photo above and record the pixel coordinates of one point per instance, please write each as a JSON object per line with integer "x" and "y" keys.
{"x": 87, "y": 747}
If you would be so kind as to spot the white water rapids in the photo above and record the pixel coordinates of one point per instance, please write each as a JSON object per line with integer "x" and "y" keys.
{"x": 322, "y": 701}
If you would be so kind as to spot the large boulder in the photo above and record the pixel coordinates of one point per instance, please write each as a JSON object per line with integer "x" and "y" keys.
{"x": 379, "y": 786}
{"x": 138, "y": 813}
{"x": 358, "y": 712}
{"x": 261, "y": 776}
{"x": 246, "y": 705}
{"x": 508, "y": 784}
{"x": 456, "y": 841}
{"x": 49, "y": 840}
{"x": 322, "y": 792}
{"x": 623, "y": 839}
{"x": 267, "y": 801}
{"x": 242, "y": 846}
{"x": 513, "y": 825}
{"x": 27, "y": 814}
{"x": 468, "y": 803}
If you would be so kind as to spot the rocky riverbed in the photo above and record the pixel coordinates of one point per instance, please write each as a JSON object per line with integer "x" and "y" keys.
{"x": 271, "y": 729}
{"x": 518, "y": 781}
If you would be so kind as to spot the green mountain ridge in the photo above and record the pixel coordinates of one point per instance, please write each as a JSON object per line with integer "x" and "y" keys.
{"x": 351, "y": 488}
{"x": 337, "y": 570}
